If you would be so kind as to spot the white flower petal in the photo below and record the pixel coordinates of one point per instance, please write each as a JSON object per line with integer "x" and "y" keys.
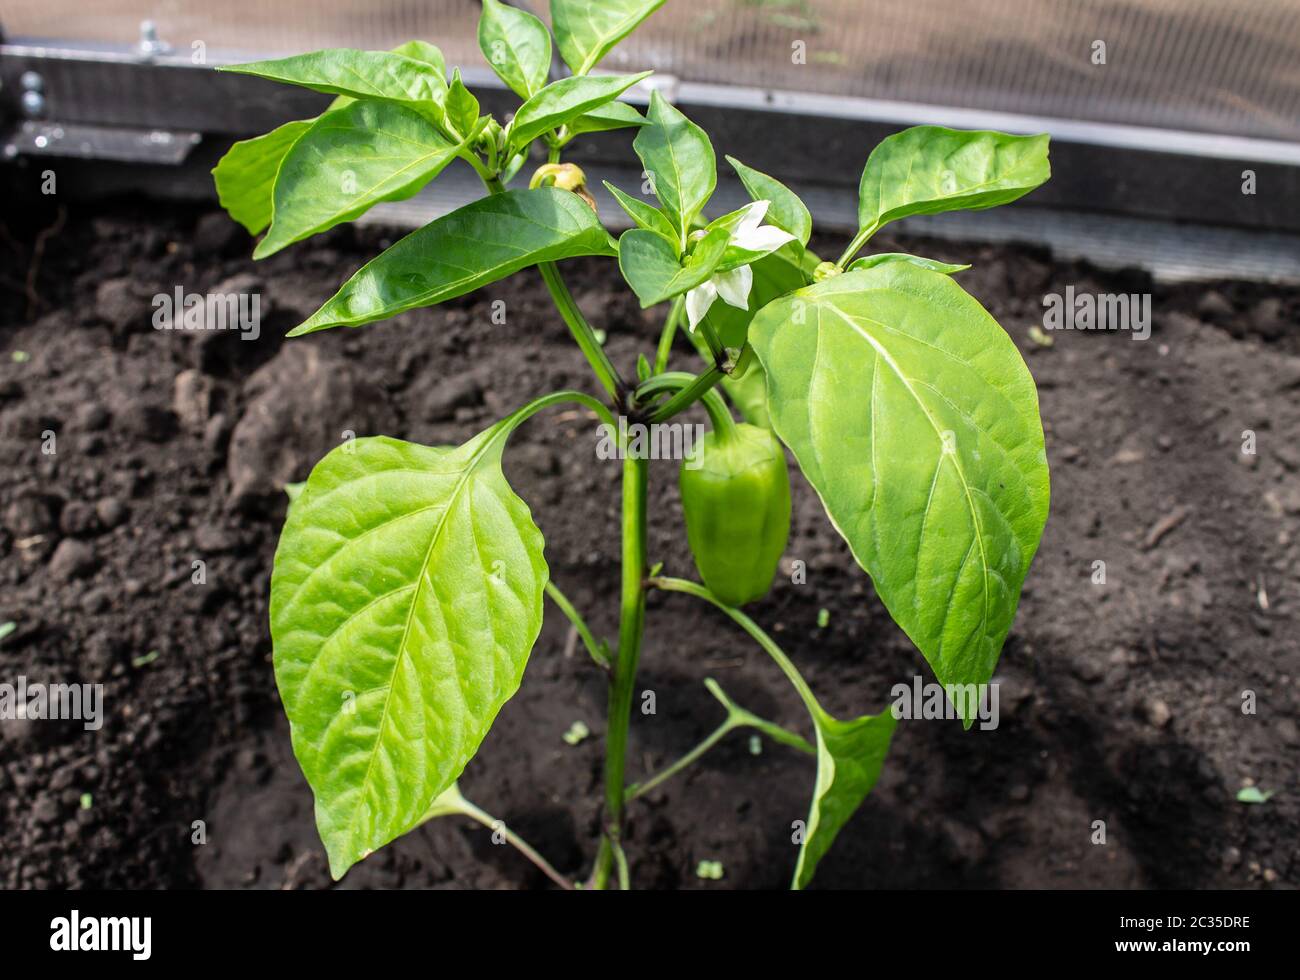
{"x": 765, "y": 239}
{"x": 734, "y": 286}
{"x": 698, "y": 301}
{"x": 751, "y": 219}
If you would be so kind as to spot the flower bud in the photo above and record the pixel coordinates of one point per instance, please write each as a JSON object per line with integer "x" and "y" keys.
{"x": 565, "y": 177}
{"x": 826, "y": 270}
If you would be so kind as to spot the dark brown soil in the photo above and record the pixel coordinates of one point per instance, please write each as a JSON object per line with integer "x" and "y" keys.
{"x": 1120, "y": 703}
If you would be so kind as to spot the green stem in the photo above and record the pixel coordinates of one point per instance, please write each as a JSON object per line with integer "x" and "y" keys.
{"x": 578, "y": 326}
{"x": 669, "y": 333}
{"x": 750, "y": 627}
{"x": 713, "y": 342}
{"x": 737, "y": 717}
{"x": 574, "y": 617}
{"x": 716, "y": 736}
{"x": 688, "y": 394}
{"x": 581, "y": 330}
{"x": 522, "y": 415}
{"x": 675, "y": 381}
{"x": 859, "y": 240}
{"x": 515, "y": 841}
{"x": 631, "y": 626}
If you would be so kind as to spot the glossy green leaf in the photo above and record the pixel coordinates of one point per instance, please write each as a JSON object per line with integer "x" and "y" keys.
{"x": 914, "y": 417}
{"x": 787, "y": 211}
{"x": 586, "y": 30}
{"x": 516, "y": 45}
{"x": 884, "y": 258}
{"x": 245, "y": 176}
{"x": 406, "y": 596}
{"x": 462, "y": 107}
{"x": 612, "y": 115}
{"x": 651, "y": 267}
{"x": 929, "y": 169}
{"x": 646, "y": 216}
{"x": 850, "y": 755}
{"x": 679, "y": 160}
{"x": 564, "y": 100}
{"x": 384, "y": 75}
{"x": 480, "y": 243}
{"x": 347, "y": 162}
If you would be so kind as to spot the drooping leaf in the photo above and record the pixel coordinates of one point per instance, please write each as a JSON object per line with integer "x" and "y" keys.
{"x": 564, "y": 100}
{"x": 346, "y": 163}
{"x": 787, "y": 211}
{"x": 651, "y": 267}
{"x": 914, "y": 417}
{"x": 646, "y": 216}
{"x": 405, "y": 599}
{"x": 586, "y": 30}
{"x": 477, "y": 244}
{"x": 516, "y": 45}
{"x": 462, "y": 107}
{"x": 384, "y": 75}
{"x": 850, "y": 755}
{"x": 679, "y": 160}
{"x": 612, "y": 115}
{"x": 883, "y": 258}
{"x": 245, "y": 176}
{"x": 929, "y": 169}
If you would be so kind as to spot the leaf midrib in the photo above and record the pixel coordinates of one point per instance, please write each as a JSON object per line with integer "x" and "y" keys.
{"x": 470, "y": 467}
{"x": 883, "y": 353}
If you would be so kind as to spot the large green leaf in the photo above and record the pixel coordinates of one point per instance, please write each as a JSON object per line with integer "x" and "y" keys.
{"x": 585, "y": 30}
{"x": 678, "y": 157}
{"x": 929, "y": 169}
{"x": 405, "y": 598}
{"x": 914, "y": 417}
{"x": 787, "y": 211}
{"x": 651, "y": 267}
{"x": 516, "y": 45}
{"x": 245, "y": 176}
{"x": 384, "y": 75}
{"x": 564, "y": 100}
{"x": 346, "y": 163}
{"x": 480, "y": 243}
{"x": 850, "y": 755}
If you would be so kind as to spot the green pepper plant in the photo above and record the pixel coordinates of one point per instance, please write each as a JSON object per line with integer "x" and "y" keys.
{"x": 408, "y": 584}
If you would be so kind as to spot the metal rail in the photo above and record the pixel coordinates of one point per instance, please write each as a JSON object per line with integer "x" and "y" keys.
{"x": 159, "y": 102}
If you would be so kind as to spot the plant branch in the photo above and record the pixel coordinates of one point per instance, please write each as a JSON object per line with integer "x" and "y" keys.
{"x": 669, "y": 333}
{"x": 855, "y": 246}
{"x": 452, "y": 803}
{"x": 737, "y": 717}
{"x": 515, "y": 841}
{"x": 631, "y": 626}
{"x": 588, "y": 639}
{"x": 688, "y": 394}
{"x": 753, "y": 629}
{"x": 582, "y": 333}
